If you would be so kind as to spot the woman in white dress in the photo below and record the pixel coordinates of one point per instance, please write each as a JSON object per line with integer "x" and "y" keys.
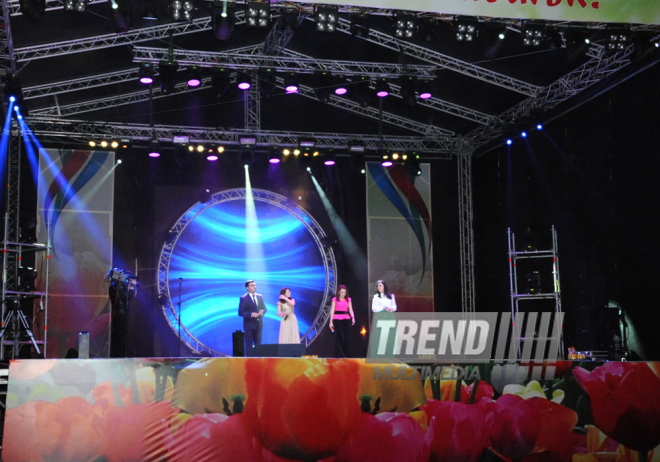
{"x": 289, "y": 325}
{"x": 383, "y": 299}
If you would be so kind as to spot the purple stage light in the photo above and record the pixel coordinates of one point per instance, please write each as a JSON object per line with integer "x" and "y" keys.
{"x": 244, "y": 85}
{"x": 329, "y": 162}
{"x": 194, "y": 82}
{"x": 291, "y": 89}
{"x": 382, "y": 94}
{"x": 387, "y": 163}
{"x": 154, "y": 154}
{"x": 274, "y": 161}
{"x": 425, "y": 95}
{"x": 340, "y": 91}
{"x": 146, "y": 80}
{"x": 212, "y": 157}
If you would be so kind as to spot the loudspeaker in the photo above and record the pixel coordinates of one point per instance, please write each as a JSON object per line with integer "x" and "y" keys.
{"x": 275, "y": 350}
{"x": 238, "y": 340}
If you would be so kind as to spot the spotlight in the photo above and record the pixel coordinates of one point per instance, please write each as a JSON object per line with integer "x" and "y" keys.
{"x": 182, "y": 10}
{"x": 92, "y": 143}
{"x": 289, "y": 21}
{"x": 119, "y": 161}
{"x": 194, "y": 76}
{"x": 466, "y": 29}
{"x": 247, "y": 140}
{"x": 358, "y": 161}
{"x": 267, "y": 83}
{"x": 359, "y": 27}
{"x": 221, "y": 149}
{"x": 424, "y": 88}
{"x": 220, "y": 83}
{"x": 167, "y": 71}
{"x": 340, "y": 88}
{"x": 146, "y": 73}
{"x": 244, "y": 81}
{"x": 291, "y": 83}
{"x": 429, "y": 29}
{"x": 387, "y": 163}
{"x": 322, "y": 86}
{"x": 405, "y": 26}
{"x": 223, "y": 20}
{"x": 501, "y": 32}
{"x": 326, "y": 18}
{"x": 212, "y": 157}
{"x": 120, "y": 14}
{"x": 104, "y": 144}
{"x": 539, "y": 126}
{"x": 150, "y": 10}
{"x": 408, "y": 90}
{"x": 382, "y": 88}
{"x": 200, "y": 148}
{"x": 246, "y": 158}
{"x": 275, "y": 157}
{"x": 27, "y": 276}
{"x": 153, "y": 149}
{"x": 114, "y": 144}
{"x": 534, "y": 34}
{"x": 296, "y": 152}
{"x": 78, "y": 6}
{"x": 329, "y": 159}
{"x": 509, "y": 134}
{"x": 529, "y": 238}
{"x": 257, "y": 14}
{"x": 617, "y": 38}
{"x": 12, "y": 88}
{"x": 286, "y": 152}
{"x": 509, "y": 141}
{"x": 523, "y": 134}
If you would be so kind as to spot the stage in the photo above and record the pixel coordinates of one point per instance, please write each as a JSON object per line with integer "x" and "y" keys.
{"x": 280, "y": 409}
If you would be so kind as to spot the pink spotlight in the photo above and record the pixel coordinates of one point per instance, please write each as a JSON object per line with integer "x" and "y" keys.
{"x": 146, "y": 80}
{"x": 426, "y": 95}
{"x": 154, "y": 154}
{"x": 382, "y": 94}
{"x": 274, "y": 161}
{"x": 387, "y": 163}
{"x": 340, "y": 91}
{"x": 291, "y": 89}
{"x": 329, "y": 162}
{"x": 244, "y": 85}
{"x": 212, "y": 157}
{"x": 194, "y": 83}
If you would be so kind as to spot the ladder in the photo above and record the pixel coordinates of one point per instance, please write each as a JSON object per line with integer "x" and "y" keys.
{"x": 530, "y": 336}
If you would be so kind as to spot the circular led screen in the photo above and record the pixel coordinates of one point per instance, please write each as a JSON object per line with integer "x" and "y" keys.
{"x": 217, "y": 246}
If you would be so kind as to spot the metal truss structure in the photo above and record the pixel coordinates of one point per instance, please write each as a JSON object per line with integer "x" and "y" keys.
{"x": 7, "y": 61}
{"x": 252, "y": 106}
{"x": 599, "y": 67}
{"x": 287, "y": 63}
{"x": 328, "y": 256}
{"x": 84, "y": 130}
{"x": 465, "y": 217}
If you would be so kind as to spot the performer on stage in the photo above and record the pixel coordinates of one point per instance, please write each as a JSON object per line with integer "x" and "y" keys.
{"x": 383, "y": 300}
{"x": 341, "y": 314}
{"x": 289, "y": 325}
{"x": 252, "y": 309}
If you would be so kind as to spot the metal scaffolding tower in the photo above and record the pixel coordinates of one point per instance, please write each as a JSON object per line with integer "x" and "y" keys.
{"x": 516, "y": 297}
{"x": 465, "y": 216}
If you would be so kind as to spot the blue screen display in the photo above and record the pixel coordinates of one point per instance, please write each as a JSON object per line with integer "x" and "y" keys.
{"x": 215, "y": 255}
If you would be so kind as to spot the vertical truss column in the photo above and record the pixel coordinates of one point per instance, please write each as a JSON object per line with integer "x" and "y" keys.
{"x": 253, "y": 105}
{"x": 13, "y": 205}
{"x": 466, "y": 232}
{"x": 6, "y": 42}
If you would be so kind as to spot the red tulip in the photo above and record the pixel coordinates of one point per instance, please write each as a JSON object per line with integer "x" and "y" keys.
{"x": 302, "y": 409}
{"x": 448, "y": 390}
{"x": 513, "y": 426}
{"x": 625, "y": 402}
{"x": 459, "y": 430}
{"x": 388, "y": 436}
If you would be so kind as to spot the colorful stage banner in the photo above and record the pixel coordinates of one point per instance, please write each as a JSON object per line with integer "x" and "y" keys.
{"x": 343, "y": 410}
{"x": 613, "y": 11}
{"x": 76, "y": 197}
{"x": 399, "y": 234}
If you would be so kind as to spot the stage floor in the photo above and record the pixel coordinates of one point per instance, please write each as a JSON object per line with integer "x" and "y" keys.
{"x": 282, "y": 409}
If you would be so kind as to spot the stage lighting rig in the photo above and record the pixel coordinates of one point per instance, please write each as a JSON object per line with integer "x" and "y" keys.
{"x": 194, "y": 76}
{"x": 382, "y": 88}
{"x": 182, "y": 10}
{"x": 223, "y": 19}
{"x": 167, "y": 71}
{"x": 120, "y": 15}
{"x": 150, "y": 10}
{"x": 244, "y": 81}
{"x": 534, "y": 34}
{"x": 154, "y": 149}
{"x": 424, "y": 89}
{"x": 359, "y": 26}
{"x": 78, "y": 6}
{"x": 13, "y": 92}
{"x": 291, "y": 83}
{"x": 326, "y": 18}
{"x": 618, "y": 38}
{"x": 405, "y": 26}
{"x": 146, "y": 73}
{"x": 411, "y": 166}
{"x": 257, "y": 14}
{"x": 330, "y": 158}
{"x": 466, "y": 29}
{"x": 274, "y": 157}
{"x": 340, "y": 86}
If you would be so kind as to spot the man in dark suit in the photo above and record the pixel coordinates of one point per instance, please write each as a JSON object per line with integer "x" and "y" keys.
{"x": 252, "y": 309}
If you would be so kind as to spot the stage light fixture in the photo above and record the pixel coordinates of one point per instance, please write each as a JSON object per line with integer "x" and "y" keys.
{"x": 146, "y": 73}
{"x": 119, "y": 161}
{"x": 387, "y": 163}
{"x": 34, "y": 10}
{"x": 246, "y": 158}
{"x": 104, "y": 144}
{"x": 200, "y": 148}
{"x": 523, "y": 134}
{"x": 429, "y": 29}
{"x": 291, "y": 83}
{"x": 358, "y": 161}
{"x": 150, "y": 10}
{"x": 114, "y": 144}
{"x": 340, "y": 86}
{"x": 362, "y": 91}
{"x": 267, "y": 83}
{"x": 194, "y": 76}
{"x": 286, "y": 152}
{"x": 244, "y": 81}
{"x": 296, "y": 152}
{"x": 12, "y": 88}
{"x": 220, "y": 83}
{"x": 182, "y": 10}
{"x": 405, "y": 26}
{"x": 356, "y": 147}
{"x": 501, "y": 32}
{"x": 221, "y": 149}
{"x": 212, "y": 157}
{"x": 466, "y": 29}
{"x": 326, "y": 18}
{"x": 424, "y": 89}
{"x": 382, "y": 88}
{"x": 289, "y": 21}
{"x": 554, "y": 40}
{"x": 78, "y": 6}
{"x": 307, "y": 142}
{"x": 167, "y": 71}
{"x": 92, "y": 143}
{"x": 534, "y": 34}
{"x": 120, "y": 14}
{"x": 508, "y": 135}
{"x": 330, "y": 159}
{"x": 618, "y": 38}
{"x": 274, "y": 157}
{"x": 359, "y": 27}
{"x": 533, "y": 283}
{"x": 322, "y": 86}
{"x": 154, "y": 151}
{"x": 412, "y": 167}
{"x": 223, "y": 19}
{"x": 408, "y": 84}
{"x": 257, "y": 14}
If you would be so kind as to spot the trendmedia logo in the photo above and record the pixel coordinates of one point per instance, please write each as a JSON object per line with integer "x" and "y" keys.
{"x": 527, "y": 343}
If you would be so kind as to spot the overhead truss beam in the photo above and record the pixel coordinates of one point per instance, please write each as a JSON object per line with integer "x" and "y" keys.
{"x": 299, "y": 64}
{"x": 7, "y": 54}
{"x": 84, "y": 130}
